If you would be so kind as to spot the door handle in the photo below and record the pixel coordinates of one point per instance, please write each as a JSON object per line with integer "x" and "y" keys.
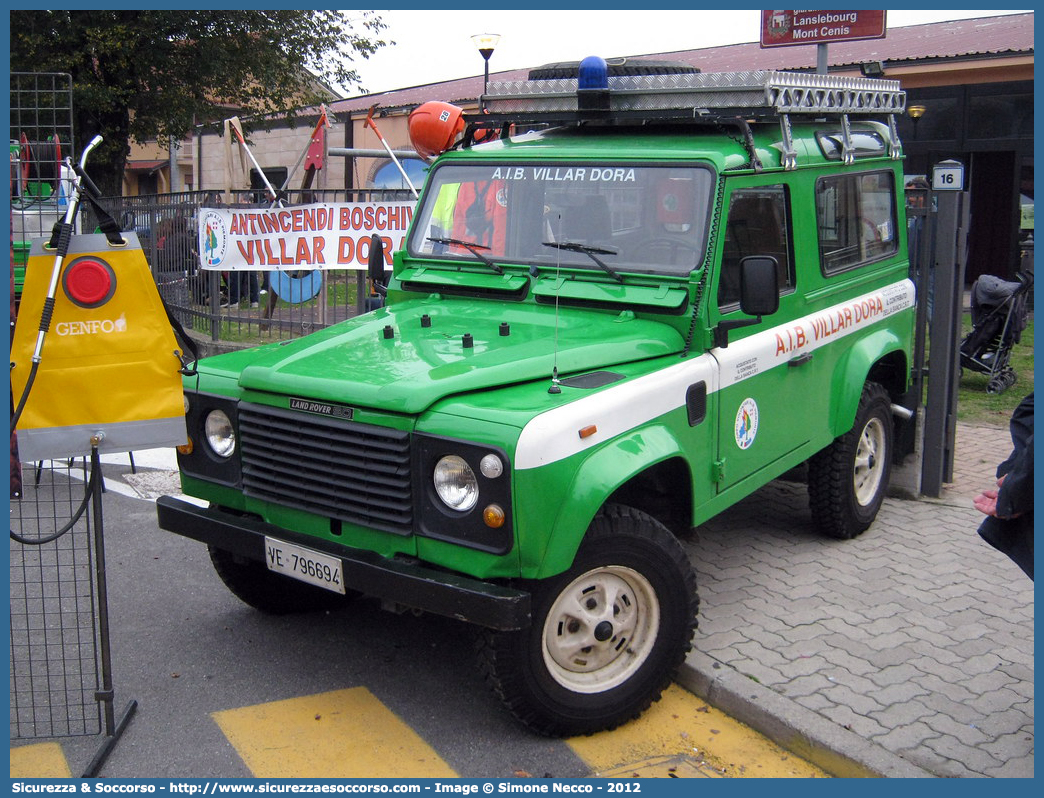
{"x": 800, "y": 360}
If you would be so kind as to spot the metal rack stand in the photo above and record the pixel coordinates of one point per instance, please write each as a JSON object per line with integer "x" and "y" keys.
{"x": 104, "y": 694}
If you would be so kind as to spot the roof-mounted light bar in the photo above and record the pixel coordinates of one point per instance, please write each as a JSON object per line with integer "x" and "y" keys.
{"x": 713, "y": 97}
{"x": 775, "y": 92}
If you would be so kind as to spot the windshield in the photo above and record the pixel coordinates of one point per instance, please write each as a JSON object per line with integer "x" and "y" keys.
{"x": 604, "y": 217}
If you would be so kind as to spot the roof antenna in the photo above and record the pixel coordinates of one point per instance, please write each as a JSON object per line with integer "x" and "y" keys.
{"x": 556, "y": 386}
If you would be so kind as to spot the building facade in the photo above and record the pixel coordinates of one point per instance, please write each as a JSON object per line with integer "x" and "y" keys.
{"x": 969, "y": 86}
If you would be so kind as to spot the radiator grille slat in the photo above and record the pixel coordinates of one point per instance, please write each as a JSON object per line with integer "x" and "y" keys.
{"x": 353, "y": 472}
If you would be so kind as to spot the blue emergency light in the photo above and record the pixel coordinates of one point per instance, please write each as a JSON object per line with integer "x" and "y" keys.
{"x": 592, "y": 85}
{"x": 593, "y": 74}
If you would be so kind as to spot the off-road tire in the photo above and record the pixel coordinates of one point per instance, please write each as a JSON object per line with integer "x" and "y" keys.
{"x": 614, "y": 67}
{"x": 847, "y": 480}
{"x": 555, "y": 686}
{"x": 271, "y": 593}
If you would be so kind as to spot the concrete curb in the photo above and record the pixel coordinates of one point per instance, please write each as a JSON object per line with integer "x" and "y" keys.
{"x": 801, "y": 731}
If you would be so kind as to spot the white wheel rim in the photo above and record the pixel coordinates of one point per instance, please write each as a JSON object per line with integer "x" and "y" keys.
{"x": 869, "y": 462}
{"x": 600, "y": 629}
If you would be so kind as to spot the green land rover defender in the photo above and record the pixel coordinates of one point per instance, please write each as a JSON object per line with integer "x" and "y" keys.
{"x": 626, "y": 301}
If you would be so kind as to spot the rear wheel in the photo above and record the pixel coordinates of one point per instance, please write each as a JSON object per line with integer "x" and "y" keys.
{"x": 847, "y": 481}
{"x": 608, "y": 635}
{"x": 272, "y": 593}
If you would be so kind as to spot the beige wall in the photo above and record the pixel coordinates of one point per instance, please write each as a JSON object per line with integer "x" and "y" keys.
{"x": 998, "y": 70}
{"x": 152, "y": 151}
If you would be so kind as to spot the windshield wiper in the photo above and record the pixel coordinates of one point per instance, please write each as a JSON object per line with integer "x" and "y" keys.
{"x": 472, "y": 247}
{"x": 591, "y": 252}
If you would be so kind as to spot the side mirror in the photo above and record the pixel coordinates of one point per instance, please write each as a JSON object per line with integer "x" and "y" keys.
{"x": 375, "y": 264}
{"x": 759, "y": 285}
{"x": 759, "y": 295}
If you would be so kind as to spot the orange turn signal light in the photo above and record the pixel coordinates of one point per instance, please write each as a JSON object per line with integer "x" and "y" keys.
{"x": 493, "y": 515}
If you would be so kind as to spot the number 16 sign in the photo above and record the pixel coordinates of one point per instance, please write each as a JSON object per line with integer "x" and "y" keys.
{"x": 948, "y": 176}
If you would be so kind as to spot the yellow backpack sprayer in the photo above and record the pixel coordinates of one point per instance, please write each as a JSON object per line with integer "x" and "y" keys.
{"x": 110, "y": 376}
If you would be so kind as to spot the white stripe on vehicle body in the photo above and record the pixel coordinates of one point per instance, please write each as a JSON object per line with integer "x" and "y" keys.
{"x": 554, "y": 435}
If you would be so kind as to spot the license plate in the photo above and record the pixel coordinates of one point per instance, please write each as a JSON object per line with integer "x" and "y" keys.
{"x": 304, "y": 564}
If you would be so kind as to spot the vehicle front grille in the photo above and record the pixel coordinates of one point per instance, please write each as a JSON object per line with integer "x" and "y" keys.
{"x": 353, "y": 472}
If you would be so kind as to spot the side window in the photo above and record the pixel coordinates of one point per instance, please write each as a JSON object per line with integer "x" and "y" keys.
{"x": 758, "y": 224}
{"x": 856, "y": 219}
{"x": 275, "y": 175}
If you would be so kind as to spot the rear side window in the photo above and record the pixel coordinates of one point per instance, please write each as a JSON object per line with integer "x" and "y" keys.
{"x": 864, "y": 143}
{"x": 856, "y": 219}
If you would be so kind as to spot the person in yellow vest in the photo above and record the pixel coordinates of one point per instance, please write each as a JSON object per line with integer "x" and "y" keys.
{"x": 442, "y": 213}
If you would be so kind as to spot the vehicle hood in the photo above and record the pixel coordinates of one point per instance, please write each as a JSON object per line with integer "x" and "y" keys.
{"x": 396, "y": 360}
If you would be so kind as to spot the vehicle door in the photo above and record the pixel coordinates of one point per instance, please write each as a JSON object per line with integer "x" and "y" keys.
{"x": 766, "y": 389}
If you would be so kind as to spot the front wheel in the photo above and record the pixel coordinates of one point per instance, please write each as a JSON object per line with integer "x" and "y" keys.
{"x": 1001, "y": 382}
{"x": 608, "y": 635}
{"x": 847, "y": 481}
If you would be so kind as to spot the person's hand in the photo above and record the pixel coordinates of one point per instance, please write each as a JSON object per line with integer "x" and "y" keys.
{"x": 986, "y": 502}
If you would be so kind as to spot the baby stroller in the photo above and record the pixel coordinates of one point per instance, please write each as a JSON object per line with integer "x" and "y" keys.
{"x": 998, "y": 309}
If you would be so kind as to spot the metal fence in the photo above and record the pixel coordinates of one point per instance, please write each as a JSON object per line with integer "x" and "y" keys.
{"x": 245, "y": 308}
{"x": 41, "y": 137}
{"x": 54, "y": 646}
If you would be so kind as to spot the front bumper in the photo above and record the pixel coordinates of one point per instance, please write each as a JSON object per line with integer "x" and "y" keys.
{"x": 408, "y": 583}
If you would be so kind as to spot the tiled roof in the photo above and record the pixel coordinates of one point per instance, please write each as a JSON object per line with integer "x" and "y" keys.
{"x": 966, "y": 38}
{"x": 960, "y": 38}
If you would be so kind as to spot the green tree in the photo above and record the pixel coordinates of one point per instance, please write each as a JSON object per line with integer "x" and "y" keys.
{"x": 153, "y": 75}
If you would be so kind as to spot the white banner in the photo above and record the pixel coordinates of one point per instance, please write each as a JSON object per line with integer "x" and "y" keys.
{"x": 320, "y": 236}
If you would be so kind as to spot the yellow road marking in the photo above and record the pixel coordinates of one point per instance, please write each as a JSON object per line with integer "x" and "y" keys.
{"x": 39, "y": 761}
{"x": 681, "y": 736}
{"x": 664, "y": 767}
{"x": 340, "y": 734}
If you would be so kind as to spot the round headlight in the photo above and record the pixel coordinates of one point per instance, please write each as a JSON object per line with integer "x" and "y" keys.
{"x": 455, "y": 483}
{"x": 220, "y": 434}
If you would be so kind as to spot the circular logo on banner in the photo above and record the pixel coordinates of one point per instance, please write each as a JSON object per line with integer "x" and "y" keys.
{"x": 746, "y": 423}
{"x": 213, "y": 238}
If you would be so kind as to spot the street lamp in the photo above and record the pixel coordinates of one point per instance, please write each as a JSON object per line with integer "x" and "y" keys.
{"x": 915, "y": 112}
{"x": 486, "y": 42}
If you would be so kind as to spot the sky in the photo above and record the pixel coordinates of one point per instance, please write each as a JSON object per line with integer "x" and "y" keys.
{"x": 433, "y": 46}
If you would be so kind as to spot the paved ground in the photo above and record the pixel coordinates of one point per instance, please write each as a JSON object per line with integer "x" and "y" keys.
{"x": 905, "y": 652}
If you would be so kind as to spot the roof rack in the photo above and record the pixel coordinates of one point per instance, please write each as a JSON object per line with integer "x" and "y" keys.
{"x": 711, "y": 97}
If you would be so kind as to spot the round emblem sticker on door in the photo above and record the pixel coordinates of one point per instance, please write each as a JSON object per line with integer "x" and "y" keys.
{"x": 746, "y": 423}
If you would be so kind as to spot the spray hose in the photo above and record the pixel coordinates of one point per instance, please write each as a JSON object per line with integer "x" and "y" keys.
{"x": 91, "y": 483}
